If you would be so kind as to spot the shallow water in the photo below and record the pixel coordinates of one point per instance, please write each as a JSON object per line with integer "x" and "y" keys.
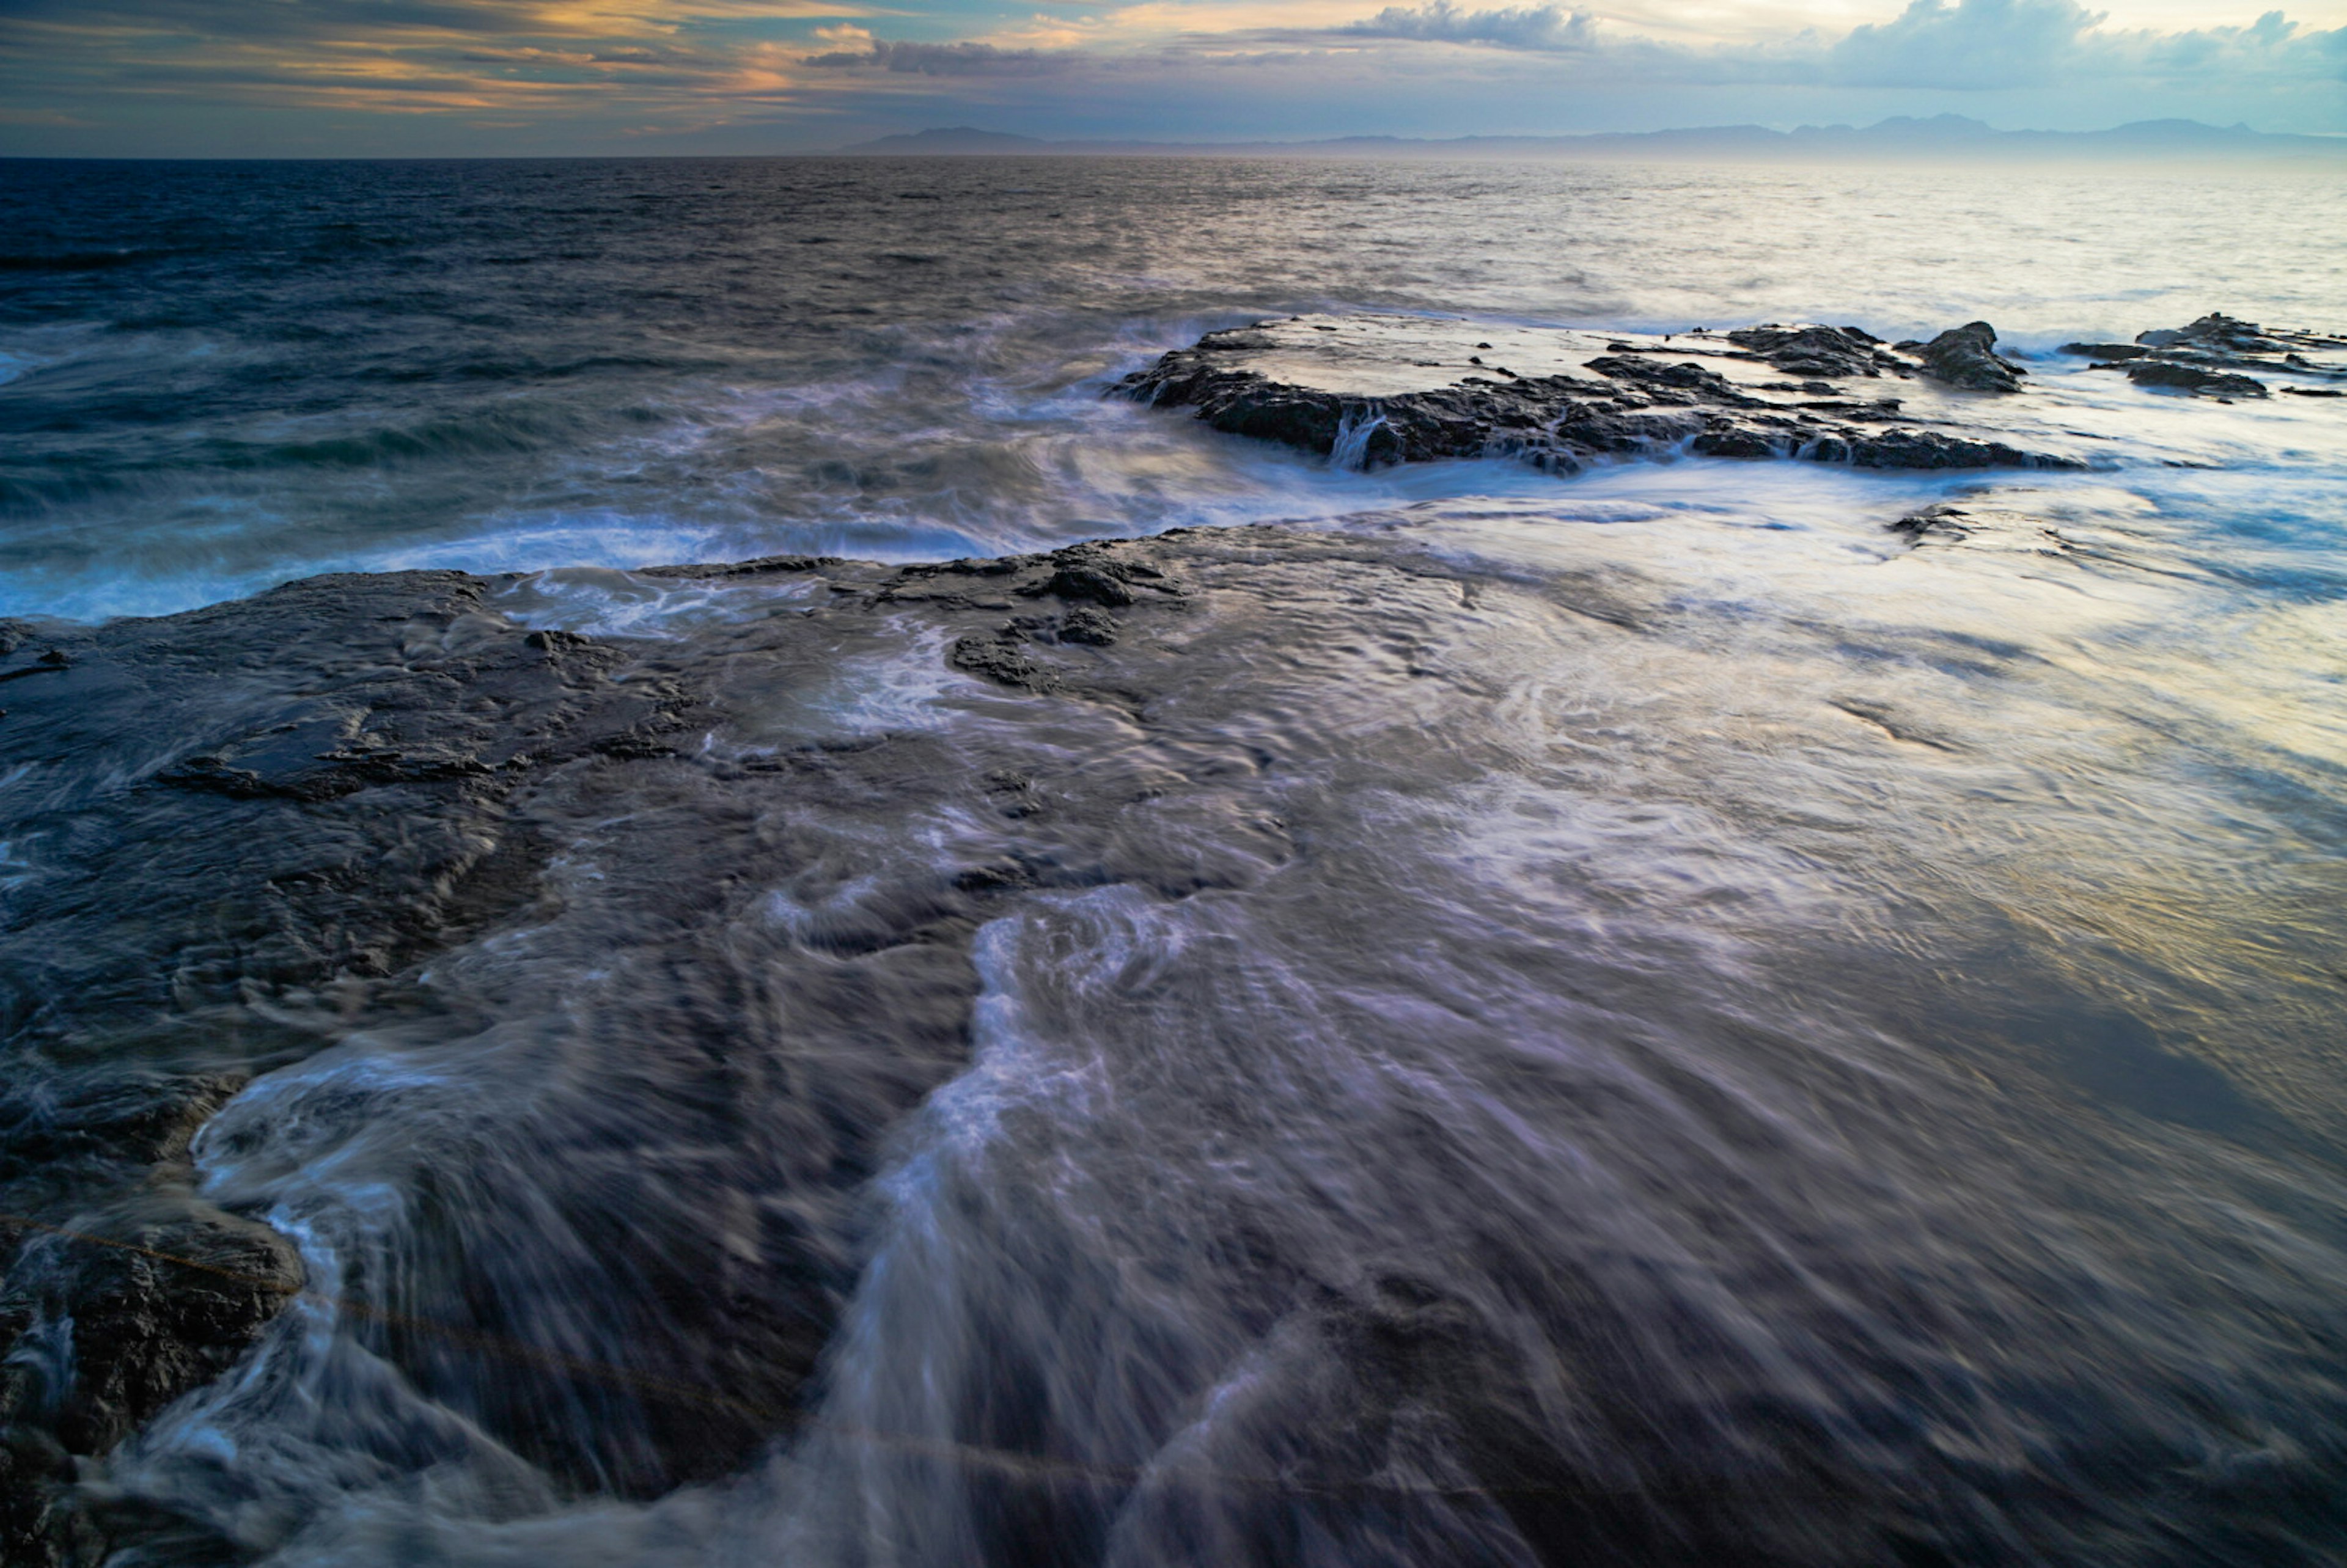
{"x": 1642, "y": 1019}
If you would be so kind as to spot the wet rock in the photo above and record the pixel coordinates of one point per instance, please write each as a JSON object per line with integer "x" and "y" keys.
{"x": 1707, "y": 385}
{"x": 2215, "y": 330}
{"x": 130, "y": 1113}
{"x": 1094, "y": 578}
{"x": 1096, "y": 628}
{"x": 2191, "y": 378}
{"x": 1966, "y": 357}
{"x": 1815, "y": 351}
{"x": 111, "y": 1315}
{"x": 1941, "y": 522}
{"x": 761, "y": 566}
{"x": 1001, "y": 660}
{"x": 332, "y": 803}
{"x": 758, "y": 953}
{"x": 146, "y": 1300}
{"x": 1085, "y": 578}
{"x": 48, "y": 664}
{"x": 2224, "y": 357}
{"x": 1932, "y": 449}
{"x": 1356, "y": 390}
{"x": 260, "y": 823}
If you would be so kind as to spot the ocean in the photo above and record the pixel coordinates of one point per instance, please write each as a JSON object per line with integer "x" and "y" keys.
{"x": 1645, "y": 1016}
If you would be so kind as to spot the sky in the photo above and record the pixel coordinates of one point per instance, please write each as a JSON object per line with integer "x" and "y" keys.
{"x": 442, "y": 78}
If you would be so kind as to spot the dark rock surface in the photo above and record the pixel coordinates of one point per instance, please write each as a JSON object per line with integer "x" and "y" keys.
{"x": 249, "y": 828}
{"x": 309, "y": 787}
{"x": 2192, "y": 378}
{"x": 728, "y": 923}
{"x": 2217, "y": 332}
{"x": 1829, "y": 352}
{"x": 1966, "y": 357}
{"x": 2214, "y": 355}
{"x": 1942, "y": 521}
{"x": 1359, "y": 390}
{"x": 2007, "y": 521}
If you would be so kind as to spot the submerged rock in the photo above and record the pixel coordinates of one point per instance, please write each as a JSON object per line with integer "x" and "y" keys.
{"x": 313, "y": 787}
{"x": 1371, "y": 390}
{"x": 253, "y": 828}
{"x": 1295, "y": 1192}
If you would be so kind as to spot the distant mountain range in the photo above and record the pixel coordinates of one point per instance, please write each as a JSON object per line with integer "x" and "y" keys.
{"x": 1943, "y": 135}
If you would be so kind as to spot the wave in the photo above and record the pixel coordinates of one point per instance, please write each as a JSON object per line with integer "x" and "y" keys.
{"x": 76, "y": 260}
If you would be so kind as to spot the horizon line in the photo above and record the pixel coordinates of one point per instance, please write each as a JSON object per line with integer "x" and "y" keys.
{"x": 1955, "y": 134}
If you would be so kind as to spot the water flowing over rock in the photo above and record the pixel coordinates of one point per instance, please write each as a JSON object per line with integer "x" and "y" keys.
{"x": 1761, "y": 1012}
{"x": 1070, "y": 999}
{"x": 2210, "y": 355}
{"x": 284, "y": 808}
{"x": 1391, "y": 389}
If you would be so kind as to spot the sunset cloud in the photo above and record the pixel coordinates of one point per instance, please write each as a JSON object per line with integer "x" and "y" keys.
{"x": 950, "y": 59}
{"x": 1543, "y": 27}
{"x": 578, "y": 75}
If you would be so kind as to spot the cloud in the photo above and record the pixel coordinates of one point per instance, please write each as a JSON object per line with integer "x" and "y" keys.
{"x": 1970, "y": 45}
{"x": 948, "y": 59}
{"x": 2000, "y": 44}
{"x": 544, "y": 59}
{"x": 363, "y": 19}
{"x": 1187, "y": 67}
{"x": 1545, "y": 27}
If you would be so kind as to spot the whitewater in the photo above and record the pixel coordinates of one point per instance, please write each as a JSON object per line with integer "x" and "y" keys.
{"x": 1467, "y": 1014}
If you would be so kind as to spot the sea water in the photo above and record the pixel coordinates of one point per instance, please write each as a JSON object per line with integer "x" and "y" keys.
{"x": 1681, "y": 1028}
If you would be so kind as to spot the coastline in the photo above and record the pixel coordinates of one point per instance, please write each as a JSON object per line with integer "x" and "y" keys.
{"x": 296, "y": 819}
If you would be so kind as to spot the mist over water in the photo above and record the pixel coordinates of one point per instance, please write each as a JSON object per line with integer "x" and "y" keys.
{"x": 225, "y": 374}
{"x": 1640, "y": 1019}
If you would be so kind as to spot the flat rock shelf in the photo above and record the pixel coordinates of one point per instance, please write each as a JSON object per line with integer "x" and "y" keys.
{"x": 706, "y": 898}
{"x": 1364, "y": 390}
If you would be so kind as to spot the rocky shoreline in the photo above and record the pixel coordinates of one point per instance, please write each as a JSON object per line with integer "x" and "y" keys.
{"x": 1368, "y": 390}
{"x": 280, "y": 811}
{"x": 300, "y": 845}
{"x": 2221, "y": 357}
{"x": 239, "y": 829}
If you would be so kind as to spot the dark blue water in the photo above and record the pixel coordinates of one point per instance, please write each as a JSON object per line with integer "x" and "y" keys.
{"x": 1642, "y": 1019}
{"x": 219, "y": 375}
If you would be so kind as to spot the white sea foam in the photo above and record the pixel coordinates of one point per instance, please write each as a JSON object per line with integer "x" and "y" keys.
{"x": 1609, "y": 981}
{"x": 602, "y": 602}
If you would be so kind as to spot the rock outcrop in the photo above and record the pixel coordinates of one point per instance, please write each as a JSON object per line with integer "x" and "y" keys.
{"x": 2223, "y": 357}
{"x": 658, "y": 939}
{"x": 1966, "y": 357}
{"x": 1371, "y": 390}
{"x": 308, "y": 788}
{"x": 1826, "y": 352}
{"x": 2192, "y": 378}
{"x": 243, "y": 831}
